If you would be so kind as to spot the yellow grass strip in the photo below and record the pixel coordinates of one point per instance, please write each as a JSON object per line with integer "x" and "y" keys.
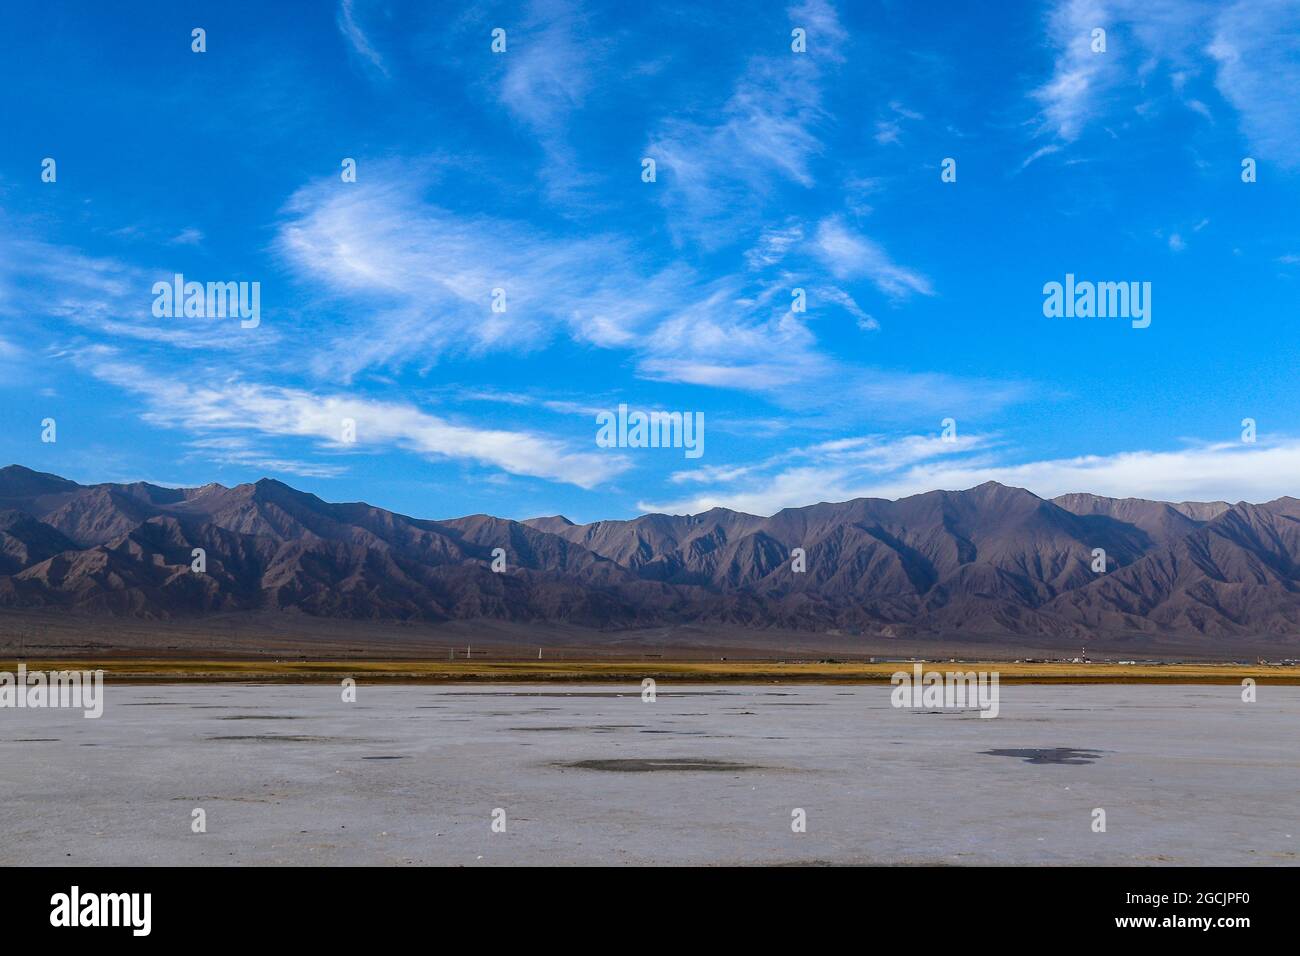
{"x": 144, "y": 670}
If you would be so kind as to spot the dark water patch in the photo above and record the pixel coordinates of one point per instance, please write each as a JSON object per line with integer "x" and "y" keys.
{"x": 155, "y": 703}
{"x": 666, "y": 764}
{"x": 292, "y": 739}
{"x": 542, "y": 729}
{"x": 35, "y": 740}
{"x": 222, "y": 707}
{"x": 388, "y": 757}
{"x": 598, "y": 728}
{"x": 1065, "y": 755}
{"x": 797, "y": 703}
{"x": 260, "y": 717}
{"x": 680, "y": 733}
{"x": 210, "y": 797}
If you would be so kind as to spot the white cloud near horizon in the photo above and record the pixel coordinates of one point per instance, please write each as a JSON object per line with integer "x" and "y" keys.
{"x": 1224, "y": 471}
{"x": 240, "y": 451}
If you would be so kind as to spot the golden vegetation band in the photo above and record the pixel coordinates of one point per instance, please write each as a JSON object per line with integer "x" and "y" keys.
{"x": 735, "y": 672}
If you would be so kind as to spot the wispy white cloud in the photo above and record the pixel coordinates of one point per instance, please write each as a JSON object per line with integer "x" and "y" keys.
{"x": 1257, "y": 48}
{"x": 350, "y": 26}
{"x": 546, "y": 69}
{"x": 846, "y": 302}
{"x": 425, "y": 277}
{"x": 889, "y": 131}
{"x": 773, "y": 244}
{"x": 1038, "y": 154}
{"x": 851, "y": 255}
{"x": 829, "y": 471}
{"x": 875, "y": 468}
{"x": 243, "y": 453}
{"x": 1246, "y": 44}
{"x": 826, "y": 35}
{"x": 1068, "y": 98}
{"x": 188, "y": 237}
{"x": 1231, "y": 471}
{"x": 13, "y": 365}
{"x": 768, "y": 131}
{"x": 107, "y": 299}
{"x": 558, "y": 406}
{"x": 414, "y": 283}
{"x": 548, "y": 74}
{"x": 234, "y": 406}
{"x": 714, "y": 341}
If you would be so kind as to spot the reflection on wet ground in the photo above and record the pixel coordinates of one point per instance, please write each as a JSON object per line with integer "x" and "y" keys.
{"x": 1066, "y": 755}
{"x": 647, "y": 765}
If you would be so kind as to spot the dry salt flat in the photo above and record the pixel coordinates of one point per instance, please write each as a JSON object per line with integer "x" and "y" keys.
{"x": 703, "y": 775}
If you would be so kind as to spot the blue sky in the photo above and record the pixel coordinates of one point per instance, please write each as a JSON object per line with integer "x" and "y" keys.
{"x": 775, "y": 170}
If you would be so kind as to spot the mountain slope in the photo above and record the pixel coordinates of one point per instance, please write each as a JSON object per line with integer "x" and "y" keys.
{"x": 984, "y": 562}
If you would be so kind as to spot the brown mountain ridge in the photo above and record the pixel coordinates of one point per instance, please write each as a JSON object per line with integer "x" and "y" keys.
{"x": 986, "y": 562}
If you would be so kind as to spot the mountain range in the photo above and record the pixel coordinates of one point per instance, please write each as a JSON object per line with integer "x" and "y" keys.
{"x": 980, "y": 563}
